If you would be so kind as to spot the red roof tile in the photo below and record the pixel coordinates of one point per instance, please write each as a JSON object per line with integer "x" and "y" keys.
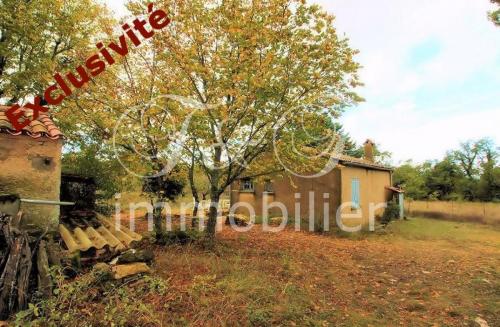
{"x": 41, "y": 127}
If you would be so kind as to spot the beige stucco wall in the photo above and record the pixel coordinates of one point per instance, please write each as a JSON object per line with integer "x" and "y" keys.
{"x": 373, "y": 190}
{"x": 337, "y": 184}
{"x": 285, "y": 189}
{"x": 32, "y": 168}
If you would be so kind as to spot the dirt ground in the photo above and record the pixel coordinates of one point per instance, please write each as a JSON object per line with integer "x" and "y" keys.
{"x": 420, "y": 272}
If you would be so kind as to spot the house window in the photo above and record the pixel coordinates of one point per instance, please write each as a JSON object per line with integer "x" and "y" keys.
{"x": 355, "y": 193}
{"x": 247, "y": 185}
{"x": 268, "y": 186}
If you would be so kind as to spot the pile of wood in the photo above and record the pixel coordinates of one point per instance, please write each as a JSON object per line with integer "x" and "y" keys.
{"x": 128, "y": 264}
{"x": 24, "y": 266}
{"x": 26, "y": 258}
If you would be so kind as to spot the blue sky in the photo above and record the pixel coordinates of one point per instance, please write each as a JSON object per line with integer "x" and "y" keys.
{"x": 431, "y": 70}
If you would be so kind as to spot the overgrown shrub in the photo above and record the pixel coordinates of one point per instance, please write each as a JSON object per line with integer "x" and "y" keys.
{"x": 390, "y": 213}
{"x": 178, "y": 237}
{"x": 93, "y": 161}
{"x": 105, "y": 209}
{"x": 95, "y": 300}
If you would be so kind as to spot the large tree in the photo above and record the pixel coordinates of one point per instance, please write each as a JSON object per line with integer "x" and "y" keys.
{"x": 38, "y": 38}
{"x": 412, "y": 179}
{"x": 488, "y": 188}
{"x": 489, "y": 183}
{"x": 443, "y": 180}
{"x": 226, "y": 84}
{"x": 470, "y": 155}
{"x": 122, "y": 107}
{"x": 259, "y": 69}
{"x": 471, "y": 158}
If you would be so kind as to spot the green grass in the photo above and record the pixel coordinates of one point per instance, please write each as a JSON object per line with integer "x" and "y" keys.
{"x": 432, "y": 229}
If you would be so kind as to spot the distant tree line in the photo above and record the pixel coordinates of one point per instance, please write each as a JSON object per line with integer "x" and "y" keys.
{"x": 470, "y": 173}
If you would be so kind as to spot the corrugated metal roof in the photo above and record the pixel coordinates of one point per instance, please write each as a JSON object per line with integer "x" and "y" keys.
{"x": 106, "y": 235}
{"x": 41, "y": 127}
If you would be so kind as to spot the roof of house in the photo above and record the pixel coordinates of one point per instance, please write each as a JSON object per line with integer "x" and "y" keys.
{"x": 41, "y": 127}
{"x": 359, "y": 162}
{"x": 343, "y": 160}
{"x": 395, "y": 189}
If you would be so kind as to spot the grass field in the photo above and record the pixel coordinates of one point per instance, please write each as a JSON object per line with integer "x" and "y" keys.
{"x": 419, "y": 272}
{"x": 422, "y": 272}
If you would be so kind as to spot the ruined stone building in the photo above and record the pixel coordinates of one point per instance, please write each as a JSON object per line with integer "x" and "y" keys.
{"x": 30, "y": 166}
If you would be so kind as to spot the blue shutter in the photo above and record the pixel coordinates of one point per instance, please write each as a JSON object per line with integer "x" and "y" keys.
{"x": 355, "y": 198}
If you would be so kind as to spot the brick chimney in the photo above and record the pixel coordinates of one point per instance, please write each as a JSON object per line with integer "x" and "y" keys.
{"x": 369, "y": 148}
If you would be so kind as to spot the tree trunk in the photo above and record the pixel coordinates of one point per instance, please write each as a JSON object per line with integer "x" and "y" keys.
{"x": 157, "y": 218}
{"x": 194, "y": 219}
{"x": 212, "y": 215}
{"x": 214, "y": 195}
{"x": 194, "y": 192}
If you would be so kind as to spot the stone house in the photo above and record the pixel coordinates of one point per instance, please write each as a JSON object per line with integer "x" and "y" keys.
{"x": 30, "y": 166}
{"x": 354, "y": 183}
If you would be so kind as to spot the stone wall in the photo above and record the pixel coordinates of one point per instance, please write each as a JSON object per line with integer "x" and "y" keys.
{"x": 32, "y": 168}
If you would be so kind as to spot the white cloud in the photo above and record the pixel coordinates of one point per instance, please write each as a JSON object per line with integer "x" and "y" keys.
{"x": 387, "y": 32}
{"x": 410, "y": 133}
